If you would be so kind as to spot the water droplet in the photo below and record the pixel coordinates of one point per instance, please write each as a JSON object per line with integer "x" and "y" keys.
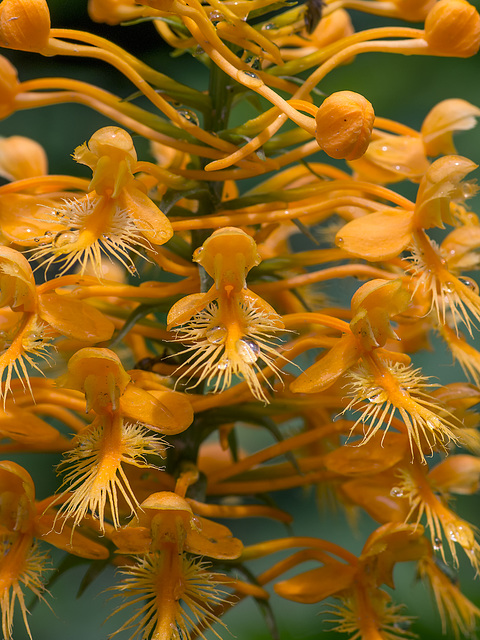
{"x": 196, "y": 254}
{"x": 191, "y": 116}
{"x": 199, "y": 51}
{"x": 216, "y": 335}
{"x": 470, "y": 283}
{"x": 437, "y": 544}
{"x": 196, "y": 523}
{"x": 64, "y": 237}
{"x": 132, "y": 269}
{"x": 216, "y": 16}
{"x": 223, "y": 364}
{"x": 269, "y": 26}
{"x": 248, "y": 350}
{"x": 448, "y": 287}
{"x": 36, "y": 239}
{"x": 452, "y": 533}
{"x": 249, "y": 79}
{"x": 48, "y": 234}
{"x": 339, "y": 241}
{"x": 396, "y": 492}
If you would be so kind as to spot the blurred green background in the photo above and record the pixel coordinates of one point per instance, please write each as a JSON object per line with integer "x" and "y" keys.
{"x": 401, "y": 88}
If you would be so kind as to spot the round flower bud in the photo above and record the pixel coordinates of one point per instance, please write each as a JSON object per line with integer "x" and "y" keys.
{"x": 332, "y": 28}
{"x": 114, "y": 11}
{"x": 452, "y": 28}
{"x": 9, "y": 87}
{"x": 24, "y": 25}
{"x": 21, "y": 157}
{"x": 344, "y": 125}
{"x": 413, "y": 10}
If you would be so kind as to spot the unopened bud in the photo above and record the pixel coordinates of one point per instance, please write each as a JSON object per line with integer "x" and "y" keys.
{"x": 9, "y": 87}
{"x": 21, "y": 157}
{"x": 452, "y": 28}
{"x": 24, "y": 25}
{"x": 413, "y": 10}
{"x": 331, "y": 28}
{"x": 344, "y": 125}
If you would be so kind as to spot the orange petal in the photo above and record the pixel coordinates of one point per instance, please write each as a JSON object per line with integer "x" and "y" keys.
{"x": 132, "y": 540}
{"x": 187, "y": 307}
{"x": 213, "y": 540}
{"x": 329, "y": 368}
{"x": 153, "y": 224}
{"x": 75, "y": 318}
{"x": 166, "y": 411}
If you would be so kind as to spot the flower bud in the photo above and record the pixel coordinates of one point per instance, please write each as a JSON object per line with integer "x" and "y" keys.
{"x": 24, "y": 25}
{"x": 452, "y": 28}
{"x": 344, "y": 125}
{"x": 331, "y": 28}
{"x": 9, "y": 87}
{"x": 21, "y": 157}
{"x": 113, "y": 11}
{"x": 413, "y": 10}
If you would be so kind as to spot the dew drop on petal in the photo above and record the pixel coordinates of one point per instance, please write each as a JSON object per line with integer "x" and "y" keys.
{"x": 216, "y": 335}
{"x": 197, "y": 253}
{"x": 63, "y": 238}
{"x": 223, "y": 364}
{"x": 339, "y": 241}
{"x": 269, "y": 26}
{"x": 396, "y": 492}
{"x": 437, "y": 544}
{"x": 248, "y": 350}
{"x": 196, "y": 523}
{"x": 448, "y": 287}
{"x": 470, "y": 283}
{"x": 216, "y": 16}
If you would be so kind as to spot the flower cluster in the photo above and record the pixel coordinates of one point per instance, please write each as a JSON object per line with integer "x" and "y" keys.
{"x": 154, "y": 312}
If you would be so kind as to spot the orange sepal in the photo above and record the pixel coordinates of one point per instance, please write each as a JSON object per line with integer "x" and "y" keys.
{"x": 317, "y": 584}
{"x": 376, "y": 455}
{"x": 378, "y": 236}
{"x": 21, "y": 218}
{"x": 457, "y": 474}
{"x": 23, "y": 426}
{"x": 373, "y": 495}
{"x": 67, "y": 539}
{"x": 17, "y": 284}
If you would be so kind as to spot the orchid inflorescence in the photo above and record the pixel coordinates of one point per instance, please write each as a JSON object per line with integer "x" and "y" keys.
{"x": 154, "y": 312}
